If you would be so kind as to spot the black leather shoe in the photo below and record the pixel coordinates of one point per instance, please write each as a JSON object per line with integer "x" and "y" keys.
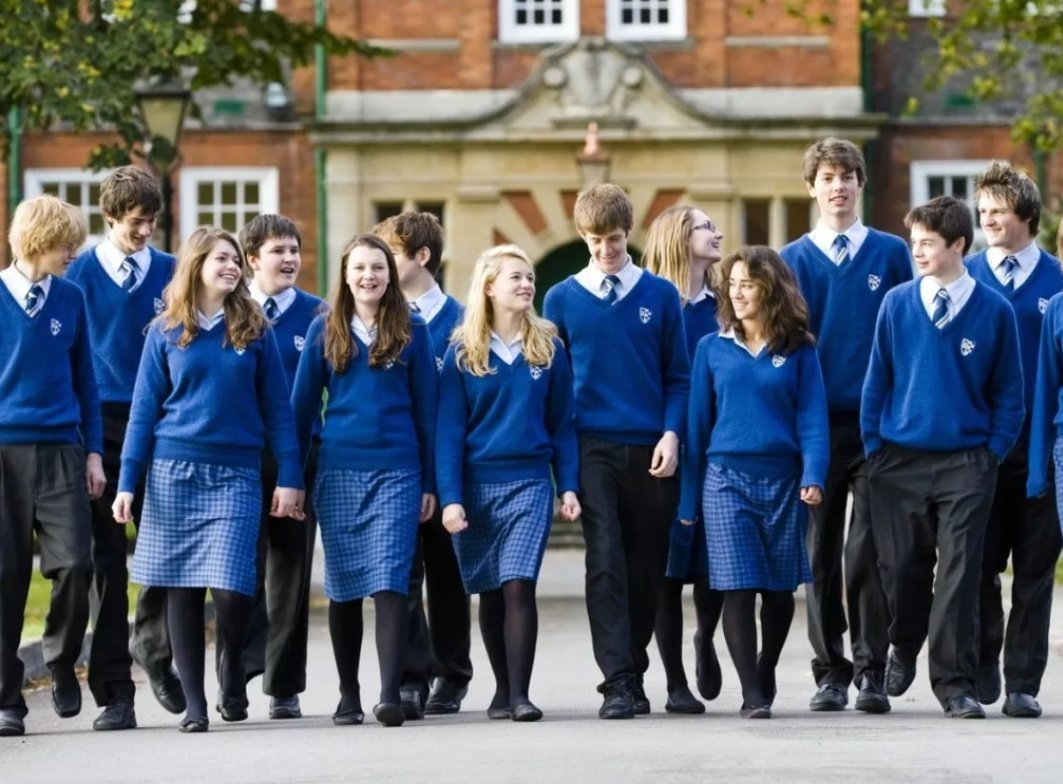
{"x": 766, "y": 676}
{"x": 165, "y": 684}
{"x": 707, "y": 668}
{"x": 194, "y": 724}
{"x": 755, "y": 712}
{"x": 117, "y": 715}
{"x": 1021, "y": 706}
{"x": 446, "y": 697}
{"x": 618, "y": 702}
{"x": 348, "y": 712}
{"x": 872, "y": 696}
{"x": 639, "y": 698}
{"x": 285, "y": 707}
{"x": 899, "y": 674}
{"x": 964, "y": 707}
{"x": 411, "y": 699}
{"x": 526, "y": 712}
{"x": 11, "y": 725}
{"x": 829, "y": 697}
{"x": 230, "y": 707}
{"x": 389, "y": 714}
{"x": 988, "y": 684}
{"x": 680, "y": 700}
{"x": 66, "y": 694}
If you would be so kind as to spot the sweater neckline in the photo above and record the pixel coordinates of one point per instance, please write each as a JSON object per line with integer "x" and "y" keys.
{"x": 600, "y": 301}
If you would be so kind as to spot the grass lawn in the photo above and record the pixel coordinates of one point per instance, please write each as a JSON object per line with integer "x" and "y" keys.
{"x": 37, "y": 606}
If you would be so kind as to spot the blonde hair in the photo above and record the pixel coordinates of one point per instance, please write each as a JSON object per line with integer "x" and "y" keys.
{"x": 472, "y": 338}
{"x": 667, "y": 251}
{"x": 44, "y": 223}
{"x": 244, "y": 320}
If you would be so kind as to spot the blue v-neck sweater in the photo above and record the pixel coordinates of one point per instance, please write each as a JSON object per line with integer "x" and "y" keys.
{"x": 1046, "y": 418}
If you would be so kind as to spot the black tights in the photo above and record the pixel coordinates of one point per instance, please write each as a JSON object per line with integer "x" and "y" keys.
{"x": 740, "y": 631}
{"x": 509, "y": 622}
{"x": 345, "y": 628}
{"x": 184, "y": 616}
{"x": 708, "y": 605}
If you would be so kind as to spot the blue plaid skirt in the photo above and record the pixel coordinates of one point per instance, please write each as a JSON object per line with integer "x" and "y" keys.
{"x": 754, "y": 531}
{"x": 368, "y": 523}
{"x": 199, "y": 527}
{"x": 686, "y": 552}
{"x": 509, "y": 523}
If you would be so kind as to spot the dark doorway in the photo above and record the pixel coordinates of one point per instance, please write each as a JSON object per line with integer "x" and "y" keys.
{"x": 562, "y": 261}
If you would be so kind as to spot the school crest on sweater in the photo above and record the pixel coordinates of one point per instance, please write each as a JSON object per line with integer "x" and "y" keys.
{"x": 966, "y": 347}
{"x": 160, "y": 306}
{"x": 873, "y": 282}
{"x": 645, "y": 314}
{"x": 1042, "y": 305}
{"x": 778, "y": 360}
{"x": 239, "y": 351}
{"x": 300, "y": 341}
{"x": 56, "y": 326}
{"x": 535, "y": 371}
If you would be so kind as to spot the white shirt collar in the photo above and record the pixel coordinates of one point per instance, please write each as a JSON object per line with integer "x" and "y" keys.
{"x": 823, "y": 237}
{"x": 430, "y": 303}
{"x": 19, "y": 285}
{"x": 209, "y": 323}
{"x": 284, "y": 299}
{"x": 1027, "y": 257}
{"x": 591, "y": 278}
{"x": 507, "y": 352}
{"x": 959, "y": 292}
{"x": 366, "y": 334}
{"x": 705, "y": 293}
{"x": 111, "y": 259}
{"x": 730, "y": 334}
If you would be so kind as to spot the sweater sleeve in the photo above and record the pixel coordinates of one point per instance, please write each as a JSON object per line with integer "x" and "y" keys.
{"x": 452, "y": 425}
{"x": 1045, "y": 404}
{"x": 85, "y": 387}
{"x": 1007, "y": 406}
{"x": 149, "y": 392}
{"x": 424, "y": 391}
{"x": 553, "y": 310}
{"x": 561, "y": 423}
{"x": 310, "y": 381}
{"x": 675, "y": 365}
{"x": 276, "y": 410}
{"x": 877, "y": 382}
{"x": 813, "y": 428}
{"x": 701, "y": 415}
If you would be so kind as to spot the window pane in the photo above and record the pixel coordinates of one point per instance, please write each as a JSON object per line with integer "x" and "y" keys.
{"x": 436, "y": 208}
{"x": 204, "y": 218}
{"x": 959, "y": 187}
{"x": 755, "y": 228}
{"x": 251, "y": 193}
{"x": 228, "y": 193}
{"x": 935, "y": 186}
{"x": 798, "y": 219}
{"x": 228, "y": 221}
{"x": 387, "y": 209}
{"x": 205, "y": 193}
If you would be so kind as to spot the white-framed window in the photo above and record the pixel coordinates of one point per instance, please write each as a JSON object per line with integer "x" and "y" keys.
{"x": 79, "y": 187}
{"x": 646, "y": 20}
{"x": 926, "y": 7}
{"x": 949, "y": 178}
{"x": 538, "y": 21}
{"x": 226, "y": 197}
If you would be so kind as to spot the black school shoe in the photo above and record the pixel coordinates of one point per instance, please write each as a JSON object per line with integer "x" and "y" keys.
{"x": 389, "y": 714}
{"x": 11, "y": 724}
{"x": 617, "y": 702}
{"x": 285, "y": 707}
{"x": 872, "y": 696}
{"x": 66, "y": 694}
{"x": 964, "y": 706}
{"x": 165, "y": 684}
{"x": 899, "y": 674}
{"x": 411, "y": 698}
{"x": 118, "y": 714}
{"x": 446, "y": 697}
{"x": 680, "y": 700}
{"x": 639, "y": 699}
{"x": 231, "y": 708}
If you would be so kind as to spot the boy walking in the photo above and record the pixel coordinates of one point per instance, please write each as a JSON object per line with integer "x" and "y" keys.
{"x": 942, "y": 406}
{"x": 623, "y": 329}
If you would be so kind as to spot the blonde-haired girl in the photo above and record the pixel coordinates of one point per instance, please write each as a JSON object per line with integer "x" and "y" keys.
{"x": 505, "y": 417}
{"x": 204, "y": 406}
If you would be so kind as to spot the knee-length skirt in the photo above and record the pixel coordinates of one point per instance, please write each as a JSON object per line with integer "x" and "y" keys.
{"x": 509, "y": 523}
{"x": 199, "y": 526}
{"x": 686, "y": 552}
{"x": 754, "y": 531}
{"x": 368, "y": 522}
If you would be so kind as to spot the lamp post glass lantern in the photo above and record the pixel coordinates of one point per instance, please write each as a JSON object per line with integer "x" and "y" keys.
{"x": 162, "y": 109}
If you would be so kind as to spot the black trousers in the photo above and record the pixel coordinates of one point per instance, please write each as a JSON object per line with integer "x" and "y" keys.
{"x": 276, "y": 638}
{"x": 859, "y": 580}
{"x": 626, "y": 518}
{"x": 930, "y": 509}
{"x": 109, "y": 660}
{"x": 42, "y": 490}
{"x": 1027, "y": 530}
{"x": 437, "y": 644}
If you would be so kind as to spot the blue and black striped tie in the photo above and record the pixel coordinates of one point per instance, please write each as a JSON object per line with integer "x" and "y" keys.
{"x": 940, "y": 316}
{"x": 609, "y": 287}
{"x": 841, "y": 249}
{"x": 34, "y": 300}
{"x": 272, "y": 311}
{"x": 129, "y": 266}
{"x": 1011, "y": 266}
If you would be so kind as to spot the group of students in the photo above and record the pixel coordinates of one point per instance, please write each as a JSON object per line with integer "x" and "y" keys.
{"x": 704, "y": 418}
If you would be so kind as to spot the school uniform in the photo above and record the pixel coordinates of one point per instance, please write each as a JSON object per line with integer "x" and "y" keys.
{"x": 627, "y": 345}
{"x": 49, "y": 421}
{"x": 844, "y": 278}
{"x": 1026, "y": 530}
{"x": 941, "y": 408}
{"x": 376, "y": 457}
{"x": 120, "y": 301}
{"x": 200, "y": 418}
{"x": 757, "y": 433}
{"x": 439, "y": 644}
{"x": 497, "y": 437}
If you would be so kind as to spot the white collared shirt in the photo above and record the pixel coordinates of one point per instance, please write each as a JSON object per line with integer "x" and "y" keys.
{"x": 730, "y": 334}
{"x": 430, "y": 303}
{"x": 823, "y": 237}
{"x": 111, "y": 258}
{"x": 1027, "y": 258}
{"x": 705, "y": 293}
{"x": 209, "y": 323}
{"x": 507, "y": 352}
{"x": 365, "y": 334}
{"x": 591, "y": 278}
{"x": 959, "y": 292}
{"x": 283, "y": 299}
{"x": 19, "y": 285}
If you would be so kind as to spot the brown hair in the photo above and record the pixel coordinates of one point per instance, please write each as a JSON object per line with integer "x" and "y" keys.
{"x": 262, "y": 228}
{"x": 834, "y": 152}
{"x": 44, "y": 223}
{"x": 603, "y": 208}
{"x": 946, "y": 216}
{"x": 1007, "y": 184}
{"x": 393, "y": 321}
{"x": 785, "y": 312}
{"x": 127, "y": 188}
{"x": 1059, "y": 240}
{"x": 413, "y": 231}
{"x": 244, "y": 321}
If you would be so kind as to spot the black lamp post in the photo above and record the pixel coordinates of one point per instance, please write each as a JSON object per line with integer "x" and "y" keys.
{"x": 162, "y": 109}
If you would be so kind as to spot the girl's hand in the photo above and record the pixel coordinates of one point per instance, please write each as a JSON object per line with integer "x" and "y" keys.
{"x": 428, "y": 507}
{"x": 95, "y": 479}
{"x": 454, "y": 518}
{"x": 122, "y": 508}
{"x": 812, "y": 495}
{"x": 288, "y": 502}
{"x": 570, "y": 508}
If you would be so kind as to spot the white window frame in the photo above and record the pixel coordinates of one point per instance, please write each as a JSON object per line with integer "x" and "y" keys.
{"x": 267, "y": 178}
{"x": 926, "y": 8}
{"x": 33, "y": 185}
{"x": 921, "y": 171}
{"x": 509, "y": 32}
{"x": 675, "y": 29}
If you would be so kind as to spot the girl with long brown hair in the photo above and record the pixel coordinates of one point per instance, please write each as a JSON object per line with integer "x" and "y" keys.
{"x": 204, "y": 407}
{"x": 756, "y": 450}
{"x": 375, "y": 479}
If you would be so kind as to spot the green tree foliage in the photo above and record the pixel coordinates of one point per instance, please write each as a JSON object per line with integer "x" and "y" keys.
{"x": 74, "y": 63}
